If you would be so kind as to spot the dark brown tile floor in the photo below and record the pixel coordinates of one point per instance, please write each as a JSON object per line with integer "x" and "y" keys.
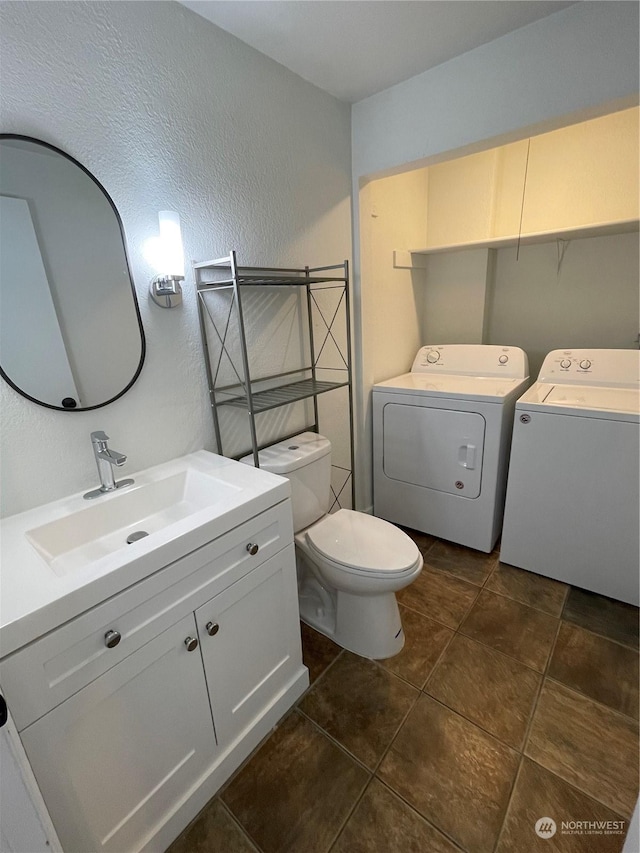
{"x": 515, "y": 698}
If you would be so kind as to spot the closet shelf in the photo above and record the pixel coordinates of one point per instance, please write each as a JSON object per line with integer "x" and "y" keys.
{"x": 531, "y": 238}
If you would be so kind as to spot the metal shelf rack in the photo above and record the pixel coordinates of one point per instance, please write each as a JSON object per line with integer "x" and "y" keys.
{"x": 254, "y": 395}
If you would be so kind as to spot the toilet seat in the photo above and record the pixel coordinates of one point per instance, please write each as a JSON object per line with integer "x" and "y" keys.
{"x": 363, "y": 544}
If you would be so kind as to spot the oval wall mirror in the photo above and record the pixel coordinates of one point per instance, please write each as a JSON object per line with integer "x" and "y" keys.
{"x": 71, "y": 337}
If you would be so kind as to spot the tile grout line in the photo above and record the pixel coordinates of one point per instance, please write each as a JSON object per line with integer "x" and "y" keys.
{"x": 566, "y": 598}
{"x": 525, "y": 739}
{"x": 403, "y": 720}
{"x": 356, "y": 760}
{"x": 253, "y": 752}
{"x": 635, "y": 647}
{"x": 438, "y": 660}
{"x": 473, "y": 723}
{"x": 350, "y": 814}
{"x": 523, "y": 603}
{"x": 393, "y": 739}
{"x": 334, "y": 741}
{"x": 242, "y": 829}
{"x": 588, "y": 698}
{"x": 398, "y": 728}
{"x": 312, "y": 684}
{"x": 546, "y": 676}
{"x": 593, "y": 633}
{"x": 403, "y": 678}
{"x": 422, "y": 613}
{"x": 478, "y": 725}
{"x": 401, "y": 797}
{"x": 509, "y": 801}
{"x": 597, "y": 702}
{"x": 450, "y": 574}
{"x": 586, "y": 794}
{"x": 458, "y": 630}
{"x": 438, "y": 621}
{"x": 500, "y": 652}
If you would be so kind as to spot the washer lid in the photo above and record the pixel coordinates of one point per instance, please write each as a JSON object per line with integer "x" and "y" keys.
{"x": 593, "y": 401}
{"x": 363, "y": 542}
{"x": 594, "y": 397}
{"x": 486, "y": 388}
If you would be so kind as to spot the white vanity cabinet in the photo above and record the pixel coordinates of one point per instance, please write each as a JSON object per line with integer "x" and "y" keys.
{"x": 114, "y": 758}
{"x": 129, "y": 742}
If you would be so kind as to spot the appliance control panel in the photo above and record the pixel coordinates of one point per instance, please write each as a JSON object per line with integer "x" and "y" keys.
{"x": 592, "y": 367}
{"x": 472, "y": 360}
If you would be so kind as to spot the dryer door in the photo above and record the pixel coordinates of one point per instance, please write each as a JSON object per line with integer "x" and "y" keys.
{"x": 438, "y": 449}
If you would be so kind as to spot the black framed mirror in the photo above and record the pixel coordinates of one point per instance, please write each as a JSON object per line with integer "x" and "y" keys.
{"x": 71, "y": 336}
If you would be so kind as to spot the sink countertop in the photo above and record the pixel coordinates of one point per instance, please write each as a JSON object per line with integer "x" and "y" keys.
{"x": 35, "y": 600}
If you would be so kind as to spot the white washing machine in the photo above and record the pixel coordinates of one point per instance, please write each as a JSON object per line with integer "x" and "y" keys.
{"x": 572, "y": 507}
{"x": 441, "y": 438}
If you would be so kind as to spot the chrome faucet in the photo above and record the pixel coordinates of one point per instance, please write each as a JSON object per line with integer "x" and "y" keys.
{"x": 106, "y": 460}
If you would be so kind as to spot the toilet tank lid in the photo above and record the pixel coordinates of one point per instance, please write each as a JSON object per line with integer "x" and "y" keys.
{"x": 286, "y": 456}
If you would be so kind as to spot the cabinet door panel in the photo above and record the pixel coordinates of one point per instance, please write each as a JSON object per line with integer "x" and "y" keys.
{"x": 255, "y": 651}
{"x": 117, "y": 758}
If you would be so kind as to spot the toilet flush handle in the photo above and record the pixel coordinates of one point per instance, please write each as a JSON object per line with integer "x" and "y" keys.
{"x": 467, "y": 456}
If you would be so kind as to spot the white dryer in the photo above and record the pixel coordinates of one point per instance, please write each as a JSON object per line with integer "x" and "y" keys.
{"x": 572, "y": 507}
{"x": 441, "y": 439}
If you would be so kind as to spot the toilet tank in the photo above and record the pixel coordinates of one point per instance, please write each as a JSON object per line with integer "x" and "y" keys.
{"x": 305, "y": 460}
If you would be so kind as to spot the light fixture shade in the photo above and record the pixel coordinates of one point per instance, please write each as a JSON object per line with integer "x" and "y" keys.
{"x": 171, "y": 243}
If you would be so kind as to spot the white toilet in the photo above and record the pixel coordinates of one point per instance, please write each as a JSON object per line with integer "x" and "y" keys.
{"x": 349, "y": 564}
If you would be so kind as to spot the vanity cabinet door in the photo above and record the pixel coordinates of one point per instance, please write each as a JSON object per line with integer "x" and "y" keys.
{"x": 250, "y": 638}
{"x": 117, "y": 758}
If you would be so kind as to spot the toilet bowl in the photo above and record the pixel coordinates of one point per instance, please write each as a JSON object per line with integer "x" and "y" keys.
{"x": 349, "y": 564}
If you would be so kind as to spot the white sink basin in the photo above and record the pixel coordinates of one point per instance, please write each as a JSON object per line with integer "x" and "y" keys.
{"x": 77, "y": 539}
{"x": 62, "y": 558}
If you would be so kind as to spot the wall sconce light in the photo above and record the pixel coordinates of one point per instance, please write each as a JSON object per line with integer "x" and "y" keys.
{"x": 165, "y": 288}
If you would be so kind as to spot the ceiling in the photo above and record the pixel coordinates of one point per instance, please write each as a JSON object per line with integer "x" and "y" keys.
{"x": 355, "y": 48}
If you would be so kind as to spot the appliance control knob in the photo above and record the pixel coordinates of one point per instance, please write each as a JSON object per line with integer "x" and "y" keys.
{"x": 585, "y": 364}
{"x": 565, "y": 363}
{"x": 433, "y": 356}
{"x": 503, "y": 359}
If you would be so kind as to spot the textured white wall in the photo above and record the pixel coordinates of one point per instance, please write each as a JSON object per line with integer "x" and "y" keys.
{"x": 577, "y": 63}
{"x": 168, "y": 112}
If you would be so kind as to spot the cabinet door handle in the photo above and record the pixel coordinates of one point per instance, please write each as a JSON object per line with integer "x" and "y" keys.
{"x": 212, "y": 628}
{"x": 191, "y": 643}
{"x": 112, "y": 638}
{"x": 252, "y": 548}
